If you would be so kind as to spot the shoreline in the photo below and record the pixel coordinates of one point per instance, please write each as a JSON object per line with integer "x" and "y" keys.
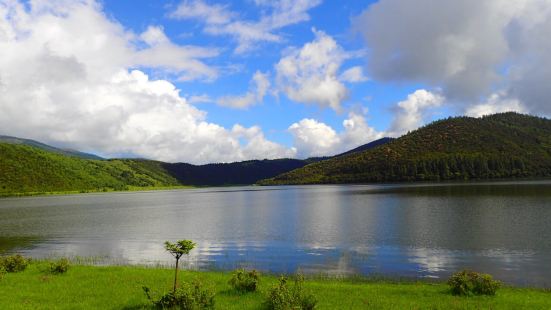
{"x": 502, "y": 181}
{"x": 96, "y": 191}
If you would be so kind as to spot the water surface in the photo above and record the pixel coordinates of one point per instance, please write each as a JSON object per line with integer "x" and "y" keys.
{"x": 421, "y": 231}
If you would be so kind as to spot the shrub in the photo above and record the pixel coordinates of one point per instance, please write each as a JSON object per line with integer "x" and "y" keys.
{"x": 467, "y": 283}
{"x": 60, "y": 266}
{"x": 2, "y": 272}
{"x": 486, "y": 285}
{"x": 187, "y": 297}
{"x": 14, "y": 263}
{"x": 281, "y": 297}
{"x": 245, "y": 281}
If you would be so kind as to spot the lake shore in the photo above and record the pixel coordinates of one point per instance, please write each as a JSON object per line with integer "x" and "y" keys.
{"x": 501, "y": 181}
{"x": 96, "y": 191}
{"x": 120, "y": 287}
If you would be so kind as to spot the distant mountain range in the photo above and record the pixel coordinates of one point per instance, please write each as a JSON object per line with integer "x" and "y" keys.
{"x": 247, "y": 172}
{"x": 28, "y": 166}
{"x": 506, "y": 145}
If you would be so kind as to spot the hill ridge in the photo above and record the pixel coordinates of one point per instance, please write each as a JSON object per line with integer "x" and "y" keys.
{"x": 501, "y": 145}
{"x": 46, "y": 147}
{"x": 28, "y": 166}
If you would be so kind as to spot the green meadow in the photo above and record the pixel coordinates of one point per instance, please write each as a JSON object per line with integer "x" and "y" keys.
{"x": 120, "y": 287}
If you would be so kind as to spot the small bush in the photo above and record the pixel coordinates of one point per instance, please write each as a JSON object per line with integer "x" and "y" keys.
{"x": 245, "y": 281}
{"x": 467, "y": 283}
{"x": 187, "y": 297}
{"x": 486, "y": 285}
{"x": 282, "y": 297}
{"x": 14, "y": 263}
{"x": 60, "y": 266}
{"x": 2, "y": 272}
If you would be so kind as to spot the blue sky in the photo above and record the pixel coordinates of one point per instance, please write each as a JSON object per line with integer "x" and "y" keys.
{"x": 274, "y": 115}
{"x": 211, "y": 81}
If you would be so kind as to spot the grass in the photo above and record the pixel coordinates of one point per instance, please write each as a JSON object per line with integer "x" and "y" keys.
{"x": 120, "y": 287}
{"x": 105, "y": 190}
{"x": 29, "y": 170}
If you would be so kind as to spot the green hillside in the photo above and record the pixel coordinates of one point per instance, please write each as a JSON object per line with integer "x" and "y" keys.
{"x": 45, "y": 147}
{"x": 497, "y": 146}
{"x": 27, "y": 169}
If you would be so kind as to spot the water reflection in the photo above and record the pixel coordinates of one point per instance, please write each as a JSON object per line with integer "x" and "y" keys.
{"x": 395, "y": 230}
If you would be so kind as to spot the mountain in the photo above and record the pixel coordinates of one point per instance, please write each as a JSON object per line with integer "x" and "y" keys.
{"x": 461, "y": 148}
{"x": 502, "y": 145}
{"x": 27, "y": 169}
{"x": 247, "y": 172}
{"x": 15, "y": 140}
{"x": 367, "y": 146}
{"x": 238, "y": 173}
{"x": 28, "y": 166}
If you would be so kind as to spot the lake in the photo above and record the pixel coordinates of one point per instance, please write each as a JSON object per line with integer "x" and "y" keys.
{"x": 414, "y": 230}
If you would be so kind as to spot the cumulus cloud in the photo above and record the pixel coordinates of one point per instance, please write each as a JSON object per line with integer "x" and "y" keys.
{"x": 220, "y": 20}
{"x": 468, "y": 48}
{"x": 311, "y": 74}
{"x": 314, "y": 138}
{"x": 496, "y": 103}
{"x": 259, "y": 86}
{"x": 65, "y": 78}
{"x": 258, "y": 144}
{"x": 412, "y": 112}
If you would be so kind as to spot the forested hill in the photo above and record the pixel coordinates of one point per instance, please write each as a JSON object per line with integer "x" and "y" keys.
{"x": 247, "y": 172}
{"x": 45, "y": 147}
{"x": 497, "y": 146}
{"x": 366, "y": 147}
{"x": 238, "y": 173}
{"x": 28, "y": 166}
{"x": 32, "y": 169}
{"x": 28, "y": 169}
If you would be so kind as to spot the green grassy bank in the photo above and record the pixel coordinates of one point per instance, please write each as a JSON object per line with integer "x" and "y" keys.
{"x": 104, "y": 190}
{"x": 116, "y": 287}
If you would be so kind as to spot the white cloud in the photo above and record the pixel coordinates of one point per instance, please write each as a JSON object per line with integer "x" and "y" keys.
{"x": 215, "y": 14}
{"x": 471, "y": 49}
{"x": 310, "y": 74}
{"x": 259, "y": 86}
{"x": 204, "y": 98}
{"x": 314, "y": 138}
{"x": 180, "y": 60}
{"x": 496, "y": 103}
{"x": 412, "y": 112}
{"x": 65, "y": 78}
{"x": 353, "y": 75}
{"x": 258, "y": 144}
{"x": 95, "y": 34}
{"x": 220, "y": 20}
{"x": 357, "y": 132}
{"x": 238, "y": 102}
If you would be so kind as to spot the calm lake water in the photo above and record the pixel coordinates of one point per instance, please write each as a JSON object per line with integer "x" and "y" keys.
{"x": 420, "y": 231}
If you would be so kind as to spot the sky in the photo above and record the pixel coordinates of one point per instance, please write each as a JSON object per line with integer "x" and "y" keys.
{"x": 203, "y": 81}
